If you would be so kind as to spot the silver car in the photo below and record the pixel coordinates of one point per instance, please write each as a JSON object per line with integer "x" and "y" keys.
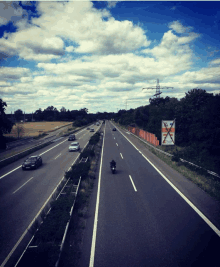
{"x": 74, "y": 146}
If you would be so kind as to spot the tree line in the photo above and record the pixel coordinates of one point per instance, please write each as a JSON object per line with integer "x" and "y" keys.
{"x": 197, "y": 117}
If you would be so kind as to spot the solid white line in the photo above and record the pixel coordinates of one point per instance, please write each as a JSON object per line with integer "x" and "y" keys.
{"x": 10, "y": 172}
{"x": 133, "y": 183}
{"x": 116, "y": 144}
{"x": 121, "y": 155}
{"x": 23, "y": 235}
{"x": 39, "y": 155}
{"x": 92, "y": 255}
{"x": 58, "y": 155}
{"x": 22, "y": 185}
{"x": 214, "y": 228}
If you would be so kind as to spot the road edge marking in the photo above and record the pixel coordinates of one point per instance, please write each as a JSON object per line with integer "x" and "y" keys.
{"x": 211, "y": 225}
{"x": 92, "y": 254}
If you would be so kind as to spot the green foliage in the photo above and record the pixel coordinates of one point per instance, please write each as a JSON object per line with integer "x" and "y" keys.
{"x": 197, "y": 124}
{"x": 77, "y": 170}
{"x": 94, "y": 139}
{"x": 87, "y": 153}
{"x": 5, "y": 124}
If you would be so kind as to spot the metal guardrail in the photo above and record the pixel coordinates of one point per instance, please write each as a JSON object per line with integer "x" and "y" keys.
{"x": 40, "y": 144}
{"x": 170, "y": 155}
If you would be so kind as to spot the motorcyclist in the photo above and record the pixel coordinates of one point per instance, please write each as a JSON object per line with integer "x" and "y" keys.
{"x": 113, "y": 164}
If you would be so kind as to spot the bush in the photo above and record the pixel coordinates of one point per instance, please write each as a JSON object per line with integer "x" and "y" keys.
{"x": 87, "y": 153}
{"x": 94, "y": 139}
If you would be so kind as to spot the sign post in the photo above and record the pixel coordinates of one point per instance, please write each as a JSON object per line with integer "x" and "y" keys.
{"x": 168, "y": 133}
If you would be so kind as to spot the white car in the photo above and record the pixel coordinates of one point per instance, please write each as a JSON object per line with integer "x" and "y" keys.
{"x": 74, "y": 146}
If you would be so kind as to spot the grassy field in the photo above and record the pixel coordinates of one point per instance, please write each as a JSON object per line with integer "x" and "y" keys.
{"x": 35, "y": 128}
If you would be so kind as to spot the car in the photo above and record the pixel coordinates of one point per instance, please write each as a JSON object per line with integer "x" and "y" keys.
{"x": 88, "y": 128}
{"x": 114, "y": 129}
{"x": 92, "y": 130}
{"x": 74, "y": 146}
{"x": 72, "y": 137}
{"x": 32, "y": 162}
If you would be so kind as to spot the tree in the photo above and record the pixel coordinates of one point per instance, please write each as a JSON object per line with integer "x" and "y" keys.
{"x": 5, "y": 124}
{"x": 18, "y": 130}
{"x": 38, "y": 115}
{"x": 18, "y": 114}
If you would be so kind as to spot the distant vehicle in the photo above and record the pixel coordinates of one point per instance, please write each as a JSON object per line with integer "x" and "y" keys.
{"x": 32, "y": 162}
{"x": 97, "y": 124}
{"x": 114, "y": 129}
{"x": 88, "y": 128}
{"x": 74, "y": 146}
{"x": 72, "y": 137}
{"x": 92, "y": 130}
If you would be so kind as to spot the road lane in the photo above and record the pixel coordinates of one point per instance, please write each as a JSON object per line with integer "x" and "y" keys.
{"x": 18, "y": 210}
{"x": 151, "y": 227}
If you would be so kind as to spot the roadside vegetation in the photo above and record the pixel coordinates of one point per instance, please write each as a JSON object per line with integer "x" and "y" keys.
{"x": 207, "y": 182}
{"x": 44, "y": 249}
{"x": 197, "y": 127}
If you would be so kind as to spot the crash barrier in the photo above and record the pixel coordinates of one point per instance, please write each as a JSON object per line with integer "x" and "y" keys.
{"x": 149, "y": 137}
{"x": 170, "y": 155}
{"x": 47, "y": 243}
{"x": 28, "y": 151}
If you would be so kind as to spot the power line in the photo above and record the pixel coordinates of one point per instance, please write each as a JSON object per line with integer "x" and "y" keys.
{"x": 157, "y": 89}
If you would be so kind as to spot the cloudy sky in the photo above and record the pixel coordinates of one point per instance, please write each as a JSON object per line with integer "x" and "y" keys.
{"x": 95, "y": 55}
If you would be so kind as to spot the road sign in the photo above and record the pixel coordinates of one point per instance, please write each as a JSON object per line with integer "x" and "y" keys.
{"x": 168, "y": 133}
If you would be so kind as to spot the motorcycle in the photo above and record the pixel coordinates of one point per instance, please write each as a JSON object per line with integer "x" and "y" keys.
{"x": 113, "y": 169}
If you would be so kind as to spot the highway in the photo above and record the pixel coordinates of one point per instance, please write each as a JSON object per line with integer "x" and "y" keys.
{"x": 147, "y": 214}
{"x": 23, "y": 193}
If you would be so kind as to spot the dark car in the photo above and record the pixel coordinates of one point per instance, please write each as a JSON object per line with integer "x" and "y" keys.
{"x": 72, "y": 137}
{"x": 91, "y": 130}
{"x": 32, "y": 162}
{"x": 114, "y": 129}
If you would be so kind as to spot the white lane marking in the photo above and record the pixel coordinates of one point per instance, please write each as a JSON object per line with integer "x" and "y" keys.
{"x": 121, "y": 156}
{"x": 29, "y": 226}
{"x": 133, "y": 183}
{"x": 53, "y": 147}
{"x": 58, "y": 155}
{"x": 10, "y": 172}
{"x": 214, "y": 228}
{"x": 116, "y": 144}
{"x": 39, "y": 155}
{"x": 22, "y": 185}
{"x": 92, "y": 255}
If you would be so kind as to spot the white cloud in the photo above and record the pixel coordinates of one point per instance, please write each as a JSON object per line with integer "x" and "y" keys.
{"x": 215, "y": 62}
{"x": 14, "y": 73}
{"x": 178, "y": 27}
{"x": 78, "y": 22}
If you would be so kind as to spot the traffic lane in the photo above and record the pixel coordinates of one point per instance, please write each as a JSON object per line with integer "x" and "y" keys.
{"x": 169, "y": 228}
{"x": 204, "y": 202}
{"x": 35, "y": 193}
{"x": 17, "y": 163}
{"x": 18, "y": 209}
{"x": 160, "y": 195}
{"x": 119, "y": 241}
{"x": 6, "y": 184}
{"x": 47, "y": 153}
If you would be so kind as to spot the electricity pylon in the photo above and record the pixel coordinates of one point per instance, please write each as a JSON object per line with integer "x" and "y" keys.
{"x": 157, "y": 89}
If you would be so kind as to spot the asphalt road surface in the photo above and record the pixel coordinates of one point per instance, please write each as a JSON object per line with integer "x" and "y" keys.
{"x": 137, "y": 218}
{"x": 23, "y": 193}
